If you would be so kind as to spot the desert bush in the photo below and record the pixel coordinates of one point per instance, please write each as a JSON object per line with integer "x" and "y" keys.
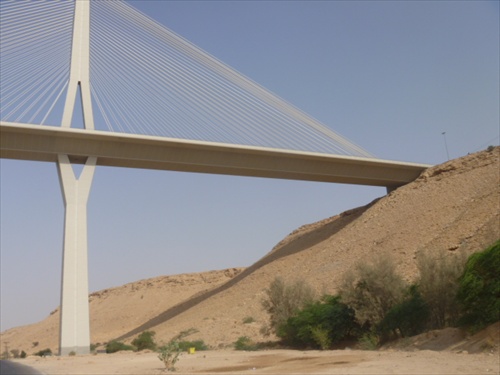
{"x": 245, "y": 343}
{"x": 197, "y": 344}
{"x": 321, "y": 337}
{"x": 372, "y": 289}
{"x": 169, "y": 355}
{"x": 248, "y": 320}
{"x": 369, "y": 341}
{"x": 283, "y": 300}
{"x": 145, "y": 341}
{"x": 116, "y": 346}
{"x": 438, "y": 286}
{"x": 44, "y": 352}
{"x": 408, "y": 317}
{"x": 319, "y": 324}
{"x": 23, "y": 355}
{"x": 479, "y": 289}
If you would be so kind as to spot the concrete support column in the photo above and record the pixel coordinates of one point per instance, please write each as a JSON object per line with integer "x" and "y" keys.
{"x": 74, "y": 334}
{"x": 74, "y": 324}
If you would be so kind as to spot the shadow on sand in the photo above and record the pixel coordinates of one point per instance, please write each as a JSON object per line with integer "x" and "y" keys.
{"x": 305, "y": 241}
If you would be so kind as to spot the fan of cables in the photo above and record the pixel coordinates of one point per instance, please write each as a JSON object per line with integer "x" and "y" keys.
{"x": 145, "y": 79}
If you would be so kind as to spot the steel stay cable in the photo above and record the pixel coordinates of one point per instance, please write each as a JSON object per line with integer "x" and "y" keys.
{"x": 33, "y": 91}
{"x": 328, "y": 132}
{"x": 28, "y": 85}
{"x": 14, "y": 71}
{"x": 54, "y": 102}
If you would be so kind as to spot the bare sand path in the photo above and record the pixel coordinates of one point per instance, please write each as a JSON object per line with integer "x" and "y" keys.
{"x": 275, "y": 362}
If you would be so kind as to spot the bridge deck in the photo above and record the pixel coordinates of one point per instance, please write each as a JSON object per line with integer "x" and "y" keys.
{"x": 44, "y": 143}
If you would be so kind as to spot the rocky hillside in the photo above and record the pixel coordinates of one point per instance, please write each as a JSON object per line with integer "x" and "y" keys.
{"x": 452, "y": 208}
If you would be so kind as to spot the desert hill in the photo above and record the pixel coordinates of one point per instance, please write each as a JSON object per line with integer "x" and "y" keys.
{"x": 451, "y": 209}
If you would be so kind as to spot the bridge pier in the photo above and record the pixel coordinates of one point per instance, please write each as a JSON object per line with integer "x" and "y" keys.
{"x": 74, "y": 333}
{"x": 74, "y": 329}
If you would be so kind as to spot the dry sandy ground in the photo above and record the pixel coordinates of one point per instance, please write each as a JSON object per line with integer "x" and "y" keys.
{"x": 276, "y": 362}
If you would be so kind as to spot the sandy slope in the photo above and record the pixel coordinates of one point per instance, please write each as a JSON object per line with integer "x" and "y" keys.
{"x": 450, "y": 209}
{"x": 115, "y": 311}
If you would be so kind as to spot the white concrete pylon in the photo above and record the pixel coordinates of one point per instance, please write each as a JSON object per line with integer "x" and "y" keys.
{"x": 74, "y": 330}
{"x": 79, "y": 77}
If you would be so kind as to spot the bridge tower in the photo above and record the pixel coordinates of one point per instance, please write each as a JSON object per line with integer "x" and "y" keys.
{"x": 74, "y": 334}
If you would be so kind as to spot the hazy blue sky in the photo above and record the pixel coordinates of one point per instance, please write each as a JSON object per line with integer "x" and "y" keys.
{"x": 391, "y": 76}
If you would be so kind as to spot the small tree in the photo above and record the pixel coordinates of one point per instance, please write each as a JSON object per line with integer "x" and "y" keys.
{"x": 319, "y": 324}
{"x": 169, "y": 355}
{"x": 372, "y": 289}
{"x": 283, "y": 300}
{"x": 407, "y": 318}
{"x": 438, "y": 285}
{"x": 479, "y": 290}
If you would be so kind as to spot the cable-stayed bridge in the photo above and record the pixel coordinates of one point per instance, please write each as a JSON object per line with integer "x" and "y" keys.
{"x": 148, "y": 99}
{"x": 142, "y": 79}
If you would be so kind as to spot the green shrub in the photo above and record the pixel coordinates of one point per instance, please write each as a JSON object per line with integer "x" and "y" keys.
{"x": 116, "y": 346}
{"x": 44, "y": 352}
{"x": 145, "y": 341}
{"x": 23, "y": 354}
{"x": 245, "y": 343}
{"x": 248, "y": 320}
{"x": 369, "y": 341}
{"x": 479, "y": 289}
{"x": 319, "y": 324}
{"x": 321, "y": 337}
{"x": 197, "y": 344}
{"x": 408, "y": 317}
{"x": 283, "y": 300}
